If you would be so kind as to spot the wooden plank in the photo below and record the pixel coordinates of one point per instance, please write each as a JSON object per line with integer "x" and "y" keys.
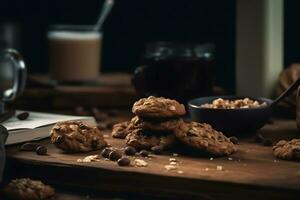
{"x": 110, "y": 90}
{"x": 252, "y": 170}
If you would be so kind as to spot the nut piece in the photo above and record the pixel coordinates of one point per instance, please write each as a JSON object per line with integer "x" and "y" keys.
{"x": 140, "y": 163}
{"x": 124, "y": 161}
{"x": 170, "y": 167}
{"x": 115, "y": 155}
{"x": 130, "y": 151}
{"x": 91, "y": 158}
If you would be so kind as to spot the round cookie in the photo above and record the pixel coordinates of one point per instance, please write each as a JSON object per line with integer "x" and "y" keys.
{"x": 77, "y": 136}
{"x": 287, "y": 150}
{"x": 168, "y": 125}
{"x": 120, "y": 130}
{"x": 140, "y": 139}
{"x": 27, "y": 189}
{"x": 158, "y": 107}
{"x": 205, "y": 138}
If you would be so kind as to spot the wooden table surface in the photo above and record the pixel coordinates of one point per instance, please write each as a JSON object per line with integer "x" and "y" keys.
{"x": 252, "y": 172}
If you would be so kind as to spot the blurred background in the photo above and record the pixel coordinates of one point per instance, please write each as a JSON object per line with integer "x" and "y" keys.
{"x": 134, "y": 23}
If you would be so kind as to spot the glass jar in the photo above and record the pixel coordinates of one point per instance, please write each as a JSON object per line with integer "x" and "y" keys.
{"x": 175, "y": 70}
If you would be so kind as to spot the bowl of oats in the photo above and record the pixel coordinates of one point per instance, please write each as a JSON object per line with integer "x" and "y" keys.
{"x": 231, "y": 114}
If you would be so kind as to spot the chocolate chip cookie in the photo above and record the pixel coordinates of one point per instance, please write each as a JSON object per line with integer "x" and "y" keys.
{"x": 287, "y": 150}
{"x": 205, "y": 138}
{"x": 77, "y": 136}
{"x": 141, "y": 139}
{"x": 120, "y": 130}
{"x": 27, "y": 189}
{"x": 158, "y": 107}
{"x": 165, "y": 125}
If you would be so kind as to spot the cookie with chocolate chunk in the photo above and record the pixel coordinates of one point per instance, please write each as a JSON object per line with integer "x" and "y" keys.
{"x": 27, "y": 189}
{"x": 205, "y": 138}
{"x": 159, "y": 126}
{"x": 77, "y": 136}
{"x": 158, "y": 107}
{"x": 287, "y": 150}
{"x": 141, "y": 139}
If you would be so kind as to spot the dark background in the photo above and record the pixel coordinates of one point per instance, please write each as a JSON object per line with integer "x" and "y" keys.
{"x": 133, "y": 23}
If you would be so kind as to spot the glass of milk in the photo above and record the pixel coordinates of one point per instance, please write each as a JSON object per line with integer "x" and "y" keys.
{"x": 74, "y": 53}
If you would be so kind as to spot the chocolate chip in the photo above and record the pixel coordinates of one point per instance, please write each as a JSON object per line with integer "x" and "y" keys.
{"x": 41, "y": 150}
{"x": 58, "y": 139}
{"x": 105, "y": 152}
{"x": 95, "y": 143}
{"x": 83, "y": 126}
{"x": 115, "y": 155}
{"x": 124, "y": 161}
{"x": 267, "y": 142}
{"x": 157, "y": 150}
{"x": 23, "y": 115}
{"x": 130, "y": 151}
{"x": 144, "y": 153}
{"x": 234, "y": 140}
{"x": 29, "y": 146}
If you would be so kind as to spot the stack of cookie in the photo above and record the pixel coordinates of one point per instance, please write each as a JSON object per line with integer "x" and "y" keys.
{"x": 154, "y": 124}
{"x": 158, "y": 123}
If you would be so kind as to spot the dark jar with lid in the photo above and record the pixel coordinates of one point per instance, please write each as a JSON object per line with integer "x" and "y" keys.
{"x": 175, "y": 70}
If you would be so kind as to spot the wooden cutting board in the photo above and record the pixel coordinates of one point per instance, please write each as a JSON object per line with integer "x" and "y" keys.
{"x": 251, "y": 173}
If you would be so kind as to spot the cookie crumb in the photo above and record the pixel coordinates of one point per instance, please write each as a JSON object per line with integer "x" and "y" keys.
{"x": 172, "y": 160}
{"x": 91, "y": 158}
{"x": 211, "y": 158}
{"x": 170, "y": 167}
{"x": 219, "y": 168}
{"x": 140, "y": 163}
{"x": 229, "y": 158}
{"x": 175, "y": 154}
{"x": 180, "y": 172}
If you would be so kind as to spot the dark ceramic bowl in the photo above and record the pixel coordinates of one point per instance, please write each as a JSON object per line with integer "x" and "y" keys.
{"x": 237, "y": 122}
